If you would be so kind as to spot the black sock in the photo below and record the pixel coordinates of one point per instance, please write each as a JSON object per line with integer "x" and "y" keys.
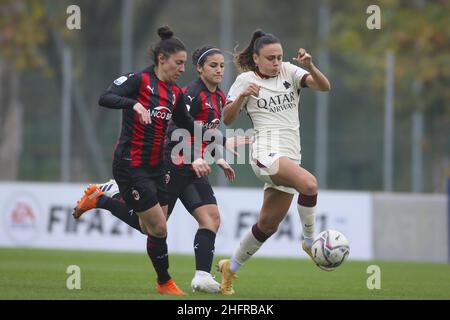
{"x": 119, "y": 209}
{"x": 157, "y": 251}
{"x": 204, "y": 249}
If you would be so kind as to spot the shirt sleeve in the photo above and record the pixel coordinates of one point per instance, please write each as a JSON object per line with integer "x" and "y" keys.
{"x": 239, "y": 85}
{"x": 122, "y": 93}
{"x": 298, "y": 74}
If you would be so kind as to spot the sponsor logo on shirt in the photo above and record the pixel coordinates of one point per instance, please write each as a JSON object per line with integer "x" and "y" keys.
{"x": 277, "y": 103}
{"x": 209, "y": 125}
{"x": 161, "y": 113}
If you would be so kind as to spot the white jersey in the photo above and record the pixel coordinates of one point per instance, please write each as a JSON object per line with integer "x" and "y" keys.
{"x": 274, "y": 112}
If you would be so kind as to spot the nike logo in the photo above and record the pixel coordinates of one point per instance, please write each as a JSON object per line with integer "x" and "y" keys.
{"x": 308, "y": 225}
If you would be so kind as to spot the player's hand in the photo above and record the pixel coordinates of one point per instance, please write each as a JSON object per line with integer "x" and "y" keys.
{"x": 227, "y": 169}
{"x": 234, "y": 142}
{"x": 201, "y": 168}
{"x": 304, "y": 59}
{"x": 252, "y": 90}
{"x": 144, "y": 116}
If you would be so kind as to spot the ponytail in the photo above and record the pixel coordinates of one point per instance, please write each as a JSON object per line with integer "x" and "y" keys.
{"x": 244, "y": 59}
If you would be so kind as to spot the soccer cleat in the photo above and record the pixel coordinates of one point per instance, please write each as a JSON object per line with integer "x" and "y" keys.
{"x": 169, "y": 287}
{"x": 110, "y": 188}
{"x": 309, "y": 252}
{"x": 205, "y": 283}
{"x": 226, "y": 287}
{"x": 88, "y": 201}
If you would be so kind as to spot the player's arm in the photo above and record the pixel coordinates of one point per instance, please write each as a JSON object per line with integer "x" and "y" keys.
{"x": 316, "y": 80}
{"x": 121, "y": 93}
{"x": 227, "y": 169}
{"x": 233, "y": 107}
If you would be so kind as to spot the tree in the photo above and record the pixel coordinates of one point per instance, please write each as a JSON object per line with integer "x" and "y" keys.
{"x": 417, "y": 33}
{"x": 23, "y": 29}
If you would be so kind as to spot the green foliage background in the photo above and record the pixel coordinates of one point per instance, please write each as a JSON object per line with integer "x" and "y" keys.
{"x": 415, "y": 31}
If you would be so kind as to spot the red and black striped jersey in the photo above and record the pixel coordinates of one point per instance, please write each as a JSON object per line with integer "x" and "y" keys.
{"x": 138, "y": 144}
{"x": 206, "y": 109}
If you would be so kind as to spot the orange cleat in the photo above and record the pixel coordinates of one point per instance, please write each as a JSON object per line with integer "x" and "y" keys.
{"x": 88, "y": 201}
{"x": 169, "y": 287}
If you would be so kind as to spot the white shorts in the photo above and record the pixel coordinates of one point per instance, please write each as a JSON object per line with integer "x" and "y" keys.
{"x": 266, "y": 165}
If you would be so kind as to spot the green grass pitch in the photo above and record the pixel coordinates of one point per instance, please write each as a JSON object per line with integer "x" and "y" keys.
{"x": 41, "y": 274}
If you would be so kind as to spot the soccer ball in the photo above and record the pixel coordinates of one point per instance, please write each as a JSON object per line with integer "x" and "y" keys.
{"x": 330, "y": 249}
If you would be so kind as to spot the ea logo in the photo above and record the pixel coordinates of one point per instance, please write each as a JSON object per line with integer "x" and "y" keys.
{"x": 21, "y": 219}
{"x": 135, "y": 195}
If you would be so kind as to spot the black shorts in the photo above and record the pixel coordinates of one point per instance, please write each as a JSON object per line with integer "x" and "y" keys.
{"x": 193, "y": 192}
{"x": 141, "y": 188}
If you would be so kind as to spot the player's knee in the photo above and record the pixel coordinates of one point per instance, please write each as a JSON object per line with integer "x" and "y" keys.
{"x": 158, "y": 230}
{"x": 143, "y": 228}
{"x": 210, "y": 221}
{"x": 215, "y": 220}
{"x": 309, "y": 186}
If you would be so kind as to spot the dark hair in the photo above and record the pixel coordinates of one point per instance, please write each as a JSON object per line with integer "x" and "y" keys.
{"x": 168, "y": 44}
{"x": 244, "y": 59}
{"x": 200, "y": 54}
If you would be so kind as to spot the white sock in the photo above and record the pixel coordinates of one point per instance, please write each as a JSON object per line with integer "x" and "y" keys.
{"x": 234, "y": 265}
{"x": 308, "y": 219}
{"x": 247, "y": 248}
